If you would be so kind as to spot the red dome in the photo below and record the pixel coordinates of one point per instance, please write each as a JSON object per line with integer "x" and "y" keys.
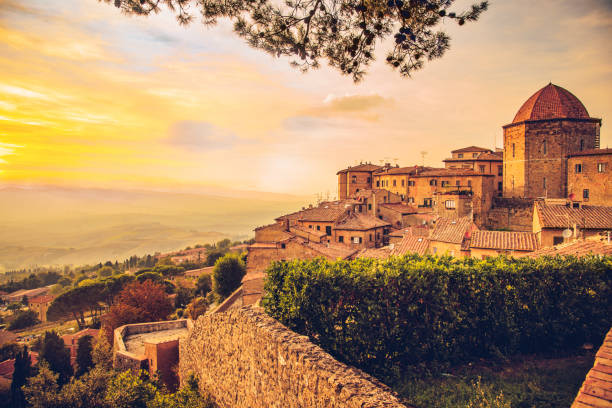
{"x": 551, "y": 102}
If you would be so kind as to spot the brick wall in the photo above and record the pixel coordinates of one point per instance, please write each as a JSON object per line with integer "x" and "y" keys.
{"x": 246, "y": 359}
{"x": 598, "y": 184}
{"x": 512, "y": 214}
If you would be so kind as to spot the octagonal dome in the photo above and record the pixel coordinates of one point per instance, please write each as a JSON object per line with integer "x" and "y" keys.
{"x": 551, "y": 102}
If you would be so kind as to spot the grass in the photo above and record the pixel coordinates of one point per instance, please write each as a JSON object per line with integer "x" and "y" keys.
{"x": 526, "y": 383}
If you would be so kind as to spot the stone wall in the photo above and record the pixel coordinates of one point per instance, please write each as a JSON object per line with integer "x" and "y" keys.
{"x": 598, "y": 184}
{"x": 246, "y": 359}
{"x": 513, "y": 214}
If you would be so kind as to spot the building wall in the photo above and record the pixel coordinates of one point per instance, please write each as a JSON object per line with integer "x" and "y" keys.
{"x": 357, "y": 181}
{"x": 512, "y": 214}
{"x": 245, "y": 359}
{"x": 462, "y": 205}
{"x": 542, "y": 148}
{"x": 372, "y": 238}
{"x": 342, "y": 186}
{"x": 315, "y": 225}
{"x": 598, "y": 184}
{"x": 395, "y": 218}
{"x": 445, "y": 248}
{"x": 41, "y": 310}
{"x": 514, "y": 161}
{"x": 163, "y": 358}
{"x": 395, "y": 183}
{"x": 482, "y": 253}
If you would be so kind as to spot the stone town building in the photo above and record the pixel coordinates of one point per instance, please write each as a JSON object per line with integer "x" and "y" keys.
{"x": 451, "y": 237}
{"x": 481, "y": 160}
{"x": 550, "y": 126}
{"x": 580, "y": 221}
{"x": 484, "y": 244}
{"x": 40, "y": 305}
{"x": 71, "y": 342}
{"x": 358, "y": 231}
{"x": 354, "y": 179}
{"x": 588, "y": 177}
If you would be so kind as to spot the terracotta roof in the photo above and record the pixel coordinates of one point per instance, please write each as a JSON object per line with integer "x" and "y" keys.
{"x": 263, "y": 245}
{"x": 551, "y": 102}
{"x": 298, "y": 230}
{"x": 586, "y": 217}
{"x": 7, "y": 337}
{"x": 328, "y": 211}
{"x": 361, "y": 167}
{"x": 505, "y": 240}
{"x": 359, "y": 222}
{"x": 450, "y": 173}
{"x": 471, "y": 149}
{"x": 331, "y": 251}
{"x": 41, "y": 299}
{"x": 452, "y": 230}
{"x": 403, "y": 170}
{"x": 411, "y": 244}
{"x": 591, "y": 152}
{"x": 377, "y": 253}
{"x": 401, "y": 207}
{"x": 596, "y": 390}
{"x": 576, "y": 248}
{"x": 7, "y": 367}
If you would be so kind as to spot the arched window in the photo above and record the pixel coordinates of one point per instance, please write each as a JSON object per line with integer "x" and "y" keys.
{"x": 581, "y": 144}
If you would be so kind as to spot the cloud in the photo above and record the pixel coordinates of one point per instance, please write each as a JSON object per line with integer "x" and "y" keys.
{"x": 200, "y": 136}
{"x": 361, "y": 107}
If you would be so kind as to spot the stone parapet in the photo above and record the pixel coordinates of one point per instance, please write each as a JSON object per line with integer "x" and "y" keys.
{"x": 246, "y": 359}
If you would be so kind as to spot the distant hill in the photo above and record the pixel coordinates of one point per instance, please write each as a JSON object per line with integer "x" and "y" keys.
{"x": 47, "y": 225}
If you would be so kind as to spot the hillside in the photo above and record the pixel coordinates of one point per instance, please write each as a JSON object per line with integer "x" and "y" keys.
{"x": 52, "y": 225}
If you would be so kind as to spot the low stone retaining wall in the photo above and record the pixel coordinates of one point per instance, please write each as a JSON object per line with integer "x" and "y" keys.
{"x": 246, "y": 359}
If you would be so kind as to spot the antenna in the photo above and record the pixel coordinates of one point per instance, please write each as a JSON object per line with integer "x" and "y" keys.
{"x": 423, "y": 154}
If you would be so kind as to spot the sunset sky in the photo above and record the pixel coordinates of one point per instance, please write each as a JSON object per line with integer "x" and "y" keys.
{"x": 91, "y": 97}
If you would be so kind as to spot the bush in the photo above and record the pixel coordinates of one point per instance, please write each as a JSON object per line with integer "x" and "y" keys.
{"x": 227, "y": 275}
{"x": 385, "y": 316}
{"x": 23, "y": 319}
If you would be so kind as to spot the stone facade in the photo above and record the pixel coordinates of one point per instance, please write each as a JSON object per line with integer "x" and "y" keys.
{"x": 513, "y": 214}
{"x": 588, "y": 177}
{"x": 246, "y": 359}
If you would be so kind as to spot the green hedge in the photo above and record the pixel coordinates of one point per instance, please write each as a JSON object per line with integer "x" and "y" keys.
{"x": 385, "y": 316}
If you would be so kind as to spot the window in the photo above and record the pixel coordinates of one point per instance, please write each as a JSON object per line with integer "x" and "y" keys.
{"x": 444, "y": 183}
{"x": 557, "y": 240}
{"x": 353, "y": 179}
{"x": 411, "y": 183}
{"x": 318, "y": 228}
{"x": 394, "y": 183}
{"x": 387, "y": 183}
{"x": 435, "y": 250}
{"x": 433, "y": 182}
{"x": 402, "y": 183}
{"x": 544, "y": 147}
{"x": 377, "y": 183}
{"x": 360, "y": 209}
{"x": 500, "y": 170}
{"x": 601, "y": 167}
{"x": 544, "y": 183}
{"x": 482, "y": 168}
{"x": 369, "y": 180}
{"x": 357, "y": 190}
{"x": 427, "y": 202}
{"x": 340, "y": 238}
{"x": 500, "y": 186}
{"x": 585, "y": 194}
{"x": 457, "y": 183}
{"x": 310, "y": 226}
{"x": 370, "y": 237}
{"x": 469, "y": 183}
{"x": 450, "y": 204}
{"x": 283, "y": 246}
{"x": 384, "y": 199}
{"x": 578, "y": 168}
{"x": 474, "y": 155}
{"x": 369, "y": 207}
{"x": 513, "y": 149}
{"x": 328, "y": 230}
{"x": 460, "y": 155}
{"x": 356, "y": 240}
{"x": 411, "y": 200}
{"x": 581, "y": 144}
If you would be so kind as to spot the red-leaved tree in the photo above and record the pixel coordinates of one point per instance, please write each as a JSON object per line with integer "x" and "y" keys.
{"x": 138, "y": 303}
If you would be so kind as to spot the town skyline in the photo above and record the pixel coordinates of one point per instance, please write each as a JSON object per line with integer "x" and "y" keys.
{"x": 201, "y": 110}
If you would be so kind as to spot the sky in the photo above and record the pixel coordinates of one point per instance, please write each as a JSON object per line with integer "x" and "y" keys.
{"x": 91, "y": 97}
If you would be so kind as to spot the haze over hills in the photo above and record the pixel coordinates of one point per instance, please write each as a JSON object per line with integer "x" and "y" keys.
{"x": 48, "y": 225}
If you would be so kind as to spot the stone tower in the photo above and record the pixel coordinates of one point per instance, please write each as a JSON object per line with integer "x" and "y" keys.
{"x": 550, "y": 125}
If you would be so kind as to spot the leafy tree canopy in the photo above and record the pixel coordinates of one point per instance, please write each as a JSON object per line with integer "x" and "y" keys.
{"x": 56, "y": 355}
{"x": 344, "y": 32}
{"x": 227, "y": 274}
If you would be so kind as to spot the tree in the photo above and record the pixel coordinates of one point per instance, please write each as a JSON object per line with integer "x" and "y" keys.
{"x": 41, "y": 390}
{"x": 204, "y": 284}
{"x": 23, "y": 319}
{"x": 77, "y": 301}
{"x": 54, "y": 352}
{"x": 105, "y": 271}
{"x": 183, "y": 297}
{"x": 126, "y": 390}
{"x": 344, "y": 32}
{"x": 212, "y": 257}
{"x": 84, "y": 358}
{"x": 20, "y": 375}
{"x": 102, "y": 353}
{"x": 196, "y": 308}
{"x": 138, "y": 302}
{"x": 227, "y": 274}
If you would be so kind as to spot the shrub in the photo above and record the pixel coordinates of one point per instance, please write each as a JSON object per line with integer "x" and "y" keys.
{"x": 23, "y": 319}
{"x": 227, "y": 274}
{"x": 385, "y": 316}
